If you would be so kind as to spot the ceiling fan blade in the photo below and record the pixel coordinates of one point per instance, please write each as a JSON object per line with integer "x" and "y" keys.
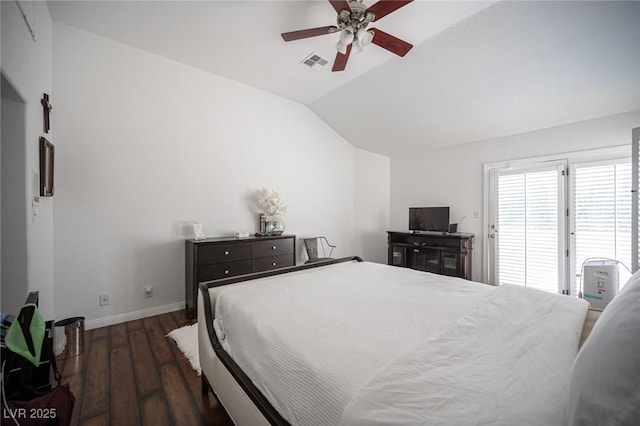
{"x": 341, "y": 60}
{"x": 385, "y": 7}
{"x": 309, "y": 32}
{"x": 340, "y": 5}
{"x": 391, "y": 43}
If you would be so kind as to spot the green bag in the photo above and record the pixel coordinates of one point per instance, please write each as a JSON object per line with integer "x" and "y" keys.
{"x": 26, "y": 334}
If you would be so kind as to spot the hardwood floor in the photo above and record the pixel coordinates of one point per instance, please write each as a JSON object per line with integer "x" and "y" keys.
{"x": 131, "y": 374}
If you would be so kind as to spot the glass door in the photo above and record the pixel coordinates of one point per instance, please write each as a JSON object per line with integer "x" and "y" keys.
{"x": 527, "y": 244}
{"x": 601, "y": 223}
{"x": 450, "y": 263}
{"x": 425, "y": 259}
{"x": 398, "y": 256}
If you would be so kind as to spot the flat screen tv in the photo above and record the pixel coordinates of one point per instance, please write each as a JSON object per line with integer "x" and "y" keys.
{"x": 429, "y": 219}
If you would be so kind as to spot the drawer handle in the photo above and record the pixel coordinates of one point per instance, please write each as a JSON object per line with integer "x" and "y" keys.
{"x": 274, "y": 248}
{"x": 226, "y": 252}
{"x": 226, "y": 272}
{"x": 273, "y": 264}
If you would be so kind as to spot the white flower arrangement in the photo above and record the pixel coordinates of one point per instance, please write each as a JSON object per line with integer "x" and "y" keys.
{"x": 272, "y": 205}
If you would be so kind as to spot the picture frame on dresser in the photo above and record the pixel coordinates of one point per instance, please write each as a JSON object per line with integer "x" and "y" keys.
{"x": 198, "y": 231}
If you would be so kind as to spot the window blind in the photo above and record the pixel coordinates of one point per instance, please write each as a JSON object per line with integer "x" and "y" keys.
{"x": 635, "y": 199}
{"x": 528, "y": 212}
{"x": 602, "y": 212}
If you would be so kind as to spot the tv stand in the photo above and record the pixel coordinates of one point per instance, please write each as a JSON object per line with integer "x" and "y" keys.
{"x": 440, "y": 253}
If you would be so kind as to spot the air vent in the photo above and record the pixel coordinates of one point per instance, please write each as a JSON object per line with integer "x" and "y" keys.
{"x": 313, "y": 61}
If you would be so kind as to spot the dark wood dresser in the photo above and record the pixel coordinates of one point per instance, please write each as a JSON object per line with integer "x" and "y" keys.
{"x": 214, "y": 258}
{"x": 446, "y": 254}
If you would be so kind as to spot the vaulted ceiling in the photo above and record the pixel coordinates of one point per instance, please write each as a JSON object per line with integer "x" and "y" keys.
{"x": 478, "y": 70}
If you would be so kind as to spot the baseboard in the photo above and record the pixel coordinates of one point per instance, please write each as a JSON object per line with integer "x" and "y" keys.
{"x": 130, "y": 316}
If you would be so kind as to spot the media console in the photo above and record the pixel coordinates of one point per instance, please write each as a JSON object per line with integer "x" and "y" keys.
{"x": 446, "y": 254}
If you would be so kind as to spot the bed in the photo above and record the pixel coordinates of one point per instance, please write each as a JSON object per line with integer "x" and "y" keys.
{"x": 357, "y": 343}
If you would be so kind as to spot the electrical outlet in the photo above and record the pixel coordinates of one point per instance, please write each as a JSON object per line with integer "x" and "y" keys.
{"x": 148, "y": 291}
{"x": 105, "y": 299}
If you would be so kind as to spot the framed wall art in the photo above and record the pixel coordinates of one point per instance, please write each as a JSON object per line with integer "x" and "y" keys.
{"x": 47, "y": 157}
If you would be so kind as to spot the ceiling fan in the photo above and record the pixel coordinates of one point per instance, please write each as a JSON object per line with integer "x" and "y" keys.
{"x": 353, "y": 19}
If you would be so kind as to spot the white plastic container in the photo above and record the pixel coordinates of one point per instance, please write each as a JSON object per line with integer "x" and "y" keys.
{"x": 600, "y": 282}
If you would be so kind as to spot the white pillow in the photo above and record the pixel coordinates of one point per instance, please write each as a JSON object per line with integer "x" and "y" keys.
{"x": 605, "y": 377}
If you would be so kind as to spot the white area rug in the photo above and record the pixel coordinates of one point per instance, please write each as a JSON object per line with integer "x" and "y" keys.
{"x": 187, "y": 340}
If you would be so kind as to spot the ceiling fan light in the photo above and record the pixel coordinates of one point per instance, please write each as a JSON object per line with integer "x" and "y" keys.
{"x": 346, "y": 36}
{"x": 364, "y": 38}
{"x": 342, "y": 47}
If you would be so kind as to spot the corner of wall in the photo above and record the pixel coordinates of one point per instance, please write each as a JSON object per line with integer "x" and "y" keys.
{"x": 372, "y": 194}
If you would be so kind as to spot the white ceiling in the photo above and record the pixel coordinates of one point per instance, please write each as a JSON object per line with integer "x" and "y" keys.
{"x": 478, "y": 70}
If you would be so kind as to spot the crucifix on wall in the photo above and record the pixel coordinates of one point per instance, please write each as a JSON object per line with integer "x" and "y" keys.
{"x": 47, "y": 107}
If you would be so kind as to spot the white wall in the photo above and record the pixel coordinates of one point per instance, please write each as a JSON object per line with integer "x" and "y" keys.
{"x": 372, "y": 208}
{"x": 146, "y": 144}
{"x": 14, "y": 210}
{"x": 454, "y": 176}
{"x": 26, "y": 66}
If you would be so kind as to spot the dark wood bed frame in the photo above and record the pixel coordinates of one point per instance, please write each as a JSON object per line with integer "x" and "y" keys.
{"x": 265, "y": 407}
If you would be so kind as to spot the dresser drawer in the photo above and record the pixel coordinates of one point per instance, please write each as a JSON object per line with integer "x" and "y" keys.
{"x": 273, "y": 247}
{"x": 216, "y": 253}
{"x": 274, "y": 262}
{"x": 223, "y": 270}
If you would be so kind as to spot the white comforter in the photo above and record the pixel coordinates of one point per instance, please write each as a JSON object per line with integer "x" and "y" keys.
{"x": 321, "y": 343}
{"x": 309, "y": 340}
{"x": 507, "y": 362}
